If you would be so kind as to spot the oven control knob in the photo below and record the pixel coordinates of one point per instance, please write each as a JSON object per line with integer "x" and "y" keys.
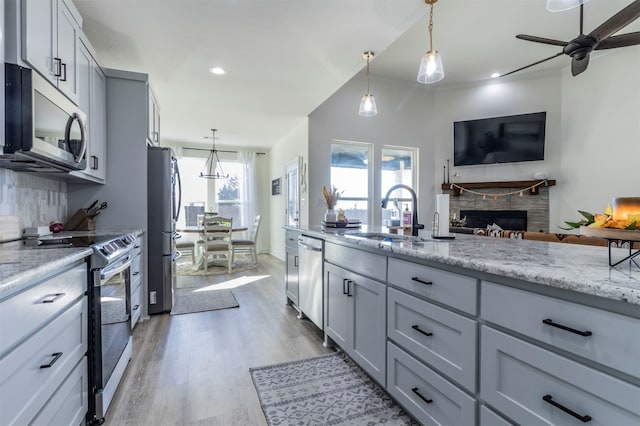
{"x": 104, "y": 251}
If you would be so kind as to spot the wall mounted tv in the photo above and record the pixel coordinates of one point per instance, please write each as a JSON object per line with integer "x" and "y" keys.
{"x": 506, "y": 139}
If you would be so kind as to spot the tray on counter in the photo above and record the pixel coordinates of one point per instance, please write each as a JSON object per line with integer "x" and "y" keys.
{"x": 350, "y": 224}
{"x": 613, "y": 236}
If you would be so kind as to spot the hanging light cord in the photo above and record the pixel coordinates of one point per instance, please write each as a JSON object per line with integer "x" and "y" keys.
{"x": 431, "y": 28}
{"x": 503, "y": 194}
{"x": 368, "y": 92}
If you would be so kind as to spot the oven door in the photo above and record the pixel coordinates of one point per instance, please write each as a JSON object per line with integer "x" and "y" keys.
{"x": 115, "y": 325}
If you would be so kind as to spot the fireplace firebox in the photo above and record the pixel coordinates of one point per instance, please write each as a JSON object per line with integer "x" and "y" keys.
{"x": 515, "y": 220}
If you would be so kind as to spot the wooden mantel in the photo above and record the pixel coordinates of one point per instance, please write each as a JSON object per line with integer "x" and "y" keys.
{"x": 502, "y": 184}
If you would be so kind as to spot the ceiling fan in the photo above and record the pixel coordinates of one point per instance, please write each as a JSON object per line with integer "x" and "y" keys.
{"x": 580, "y": 48}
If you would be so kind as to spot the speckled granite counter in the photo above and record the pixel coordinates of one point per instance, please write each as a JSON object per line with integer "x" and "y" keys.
{"x": 21, "y": 265}
{"x": 572, "y": 267}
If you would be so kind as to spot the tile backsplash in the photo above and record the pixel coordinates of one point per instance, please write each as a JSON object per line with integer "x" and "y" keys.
{"x": 36, "y": 199}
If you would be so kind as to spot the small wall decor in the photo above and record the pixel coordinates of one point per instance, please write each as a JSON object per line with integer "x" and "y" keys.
{"x": 275, "y": 186}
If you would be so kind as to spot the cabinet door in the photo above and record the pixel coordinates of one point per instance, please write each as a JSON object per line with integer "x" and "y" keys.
{"x": 38, "y": 36}
{"x": 336, "y": 315}
{"x": 368, "y": 320}
{"x": 98, "y": 131}
{"x": 67, "y": 37}
{"x": 292, "y": 276}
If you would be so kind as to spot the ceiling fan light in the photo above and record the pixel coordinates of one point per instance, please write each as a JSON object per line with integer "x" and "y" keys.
{"x": 561, "y": 5}
{"x": 431, "y": 69}
{"x": 368, "y": 106}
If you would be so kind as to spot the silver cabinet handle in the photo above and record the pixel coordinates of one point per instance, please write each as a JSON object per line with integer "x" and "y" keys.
{"x": 53, "y": 298}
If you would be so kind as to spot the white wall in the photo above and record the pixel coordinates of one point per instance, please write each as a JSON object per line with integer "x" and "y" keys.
{"x": 404, "y": 119}
{"x": 294, "y": 145}
{"x": 600, "y": 134}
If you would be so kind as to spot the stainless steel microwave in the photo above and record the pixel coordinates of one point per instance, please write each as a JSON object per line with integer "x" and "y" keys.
{"x": 44, "y": 131}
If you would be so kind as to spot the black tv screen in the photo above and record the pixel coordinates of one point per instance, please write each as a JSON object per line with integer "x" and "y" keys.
{"x": 506, "y": 139}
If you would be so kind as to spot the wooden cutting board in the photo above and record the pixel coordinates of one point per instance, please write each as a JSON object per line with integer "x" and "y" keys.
{"x": 10, "y": 228}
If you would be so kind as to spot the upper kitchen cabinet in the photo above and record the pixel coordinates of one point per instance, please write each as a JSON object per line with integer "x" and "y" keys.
{"x": 92, "y": 100}
{"x": 153, "y": 122}
{"x": 50, "y": 36}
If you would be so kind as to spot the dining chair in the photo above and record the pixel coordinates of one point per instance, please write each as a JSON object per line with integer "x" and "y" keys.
{"x": 187, "y": 244}
{"x": 216, "y": 239}
{"x": 249, "y": 245}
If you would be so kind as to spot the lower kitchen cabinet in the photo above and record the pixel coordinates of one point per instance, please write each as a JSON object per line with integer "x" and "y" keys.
{"x": 538, "y": 387}
{"x": 292, "y": 266}
{"x": 355, "y": 318}
{"x": 425, "y": 394}
{"x": 137, "y": 275}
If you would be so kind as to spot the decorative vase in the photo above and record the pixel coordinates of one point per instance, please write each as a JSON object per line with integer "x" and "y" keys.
{"x": 330, "y": 215}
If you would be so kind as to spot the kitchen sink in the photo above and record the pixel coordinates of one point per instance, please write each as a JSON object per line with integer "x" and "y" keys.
{"x": 385, "y": 237}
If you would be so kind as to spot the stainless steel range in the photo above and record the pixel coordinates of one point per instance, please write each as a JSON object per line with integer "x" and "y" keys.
{"x": 110, "y": 328}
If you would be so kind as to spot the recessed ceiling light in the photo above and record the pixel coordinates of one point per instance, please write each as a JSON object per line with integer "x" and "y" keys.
{"x": 217, "y": 71}
{"x": 495, "y": 75}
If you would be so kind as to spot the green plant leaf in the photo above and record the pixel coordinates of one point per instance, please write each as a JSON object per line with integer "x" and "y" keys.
{"x": 632, "y": 227}
{"x": 590, "y": 218}
{"x": 574, "y": 225}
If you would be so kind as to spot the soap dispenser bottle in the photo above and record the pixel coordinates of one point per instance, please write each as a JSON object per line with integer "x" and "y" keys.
{"x": 406, "y": 216}
{"x": 395, "y": 214}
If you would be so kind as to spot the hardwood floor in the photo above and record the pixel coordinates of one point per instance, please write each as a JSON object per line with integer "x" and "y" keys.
{"x": 193, "y": 369}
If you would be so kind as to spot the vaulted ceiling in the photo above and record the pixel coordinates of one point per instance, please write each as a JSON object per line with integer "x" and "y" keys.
{"x": 285, "y": 57}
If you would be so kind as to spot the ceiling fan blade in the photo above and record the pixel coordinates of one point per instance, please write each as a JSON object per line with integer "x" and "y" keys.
{"x": 622, "y": 40}
{"x": 544, "y": 40}
{"x": 579, "y": 65}
{"x": 530, "y": 65}
{"x": 617, "y": 21}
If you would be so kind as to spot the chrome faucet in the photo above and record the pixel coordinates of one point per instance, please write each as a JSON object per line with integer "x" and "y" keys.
{"x": 414, "y": 220}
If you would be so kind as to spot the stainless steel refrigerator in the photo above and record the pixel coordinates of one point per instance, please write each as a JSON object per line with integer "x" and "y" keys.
{"x": 164, "y": 198}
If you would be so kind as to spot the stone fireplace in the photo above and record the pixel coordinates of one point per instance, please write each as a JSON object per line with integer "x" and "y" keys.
{"x": 534, "y": 204}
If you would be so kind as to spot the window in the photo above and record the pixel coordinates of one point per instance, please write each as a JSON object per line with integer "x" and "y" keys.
{"x": 350, "y": 174}
{"x": 398, "y": 167}
{"x": 223, "y": 196}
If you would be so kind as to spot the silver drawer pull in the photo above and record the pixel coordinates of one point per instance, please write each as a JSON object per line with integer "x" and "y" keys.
{"x": 53, "y": 298}
{"x": 550, "y": 322}
{"x": 583, "y": 419}
{"x": 417, "y": 328}
{"x": 418, "y": 280}
{"x": 56, "y": 356}
{"x": 416, "y": 391}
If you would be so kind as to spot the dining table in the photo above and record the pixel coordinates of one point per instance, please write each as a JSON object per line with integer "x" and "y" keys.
{"x": 199, "y": 258}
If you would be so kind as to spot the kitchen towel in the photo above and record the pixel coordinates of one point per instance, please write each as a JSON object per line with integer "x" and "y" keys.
{"x": 442, "y": 208}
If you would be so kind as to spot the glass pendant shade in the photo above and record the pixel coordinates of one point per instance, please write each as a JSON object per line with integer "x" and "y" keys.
{"x": 560, "y": 5}
{"x": 368, "y": 106}
{"x": 431, "y": 69}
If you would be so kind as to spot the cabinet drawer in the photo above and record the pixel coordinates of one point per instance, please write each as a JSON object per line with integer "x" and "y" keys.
{"x": 291, "y": 241}
{"x": 516, "y": 375}
{"x": 136, "y": 268}
{"x": 364, "y": 263}
{"x": 610, "y": 342}
{"x": 136, "y": 305}
{"x": 458, "y": 291}
{"x": 409, "y": 381}
{"x": 489, "y": 418}
{"x": 451, "y": 345}
{"x": 39, "y": 304}
{"x": 68, "y": 406}
{"x": 25, "y": 384}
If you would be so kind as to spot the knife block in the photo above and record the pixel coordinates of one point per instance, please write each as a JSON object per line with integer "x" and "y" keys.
{"x": 80, "y": 221}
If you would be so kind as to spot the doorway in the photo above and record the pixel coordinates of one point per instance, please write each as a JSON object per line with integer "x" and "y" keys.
{"x": 292, "y": 181}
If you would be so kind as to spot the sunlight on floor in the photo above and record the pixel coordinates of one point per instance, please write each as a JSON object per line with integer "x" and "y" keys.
{"x": 234, "y": 283}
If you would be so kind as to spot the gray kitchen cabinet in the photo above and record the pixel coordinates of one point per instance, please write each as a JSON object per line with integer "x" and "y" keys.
{"x": 355, "y": 319}
{"x": 137, "y": 275}
{"x": 292, "y": 266}
{"x": 153, "y": 120}
{"x": 489, "y": 418}
{"x": 43, "y": 346}
{"x": 535, "y": 386}
{"x": 49, "y": 41}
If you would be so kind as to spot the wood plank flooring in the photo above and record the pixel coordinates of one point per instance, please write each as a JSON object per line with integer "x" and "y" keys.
{"x": 193, "y": 369}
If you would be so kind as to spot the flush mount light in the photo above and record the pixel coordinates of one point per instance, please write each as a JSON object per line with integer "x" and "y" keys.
{"x": 368, "y": 103}
{"x": 495, "y": 75}
{"x": 212, "y": 167}
{"x": 217, "y": 71}
{"x": 431, "y": 69}
{"x": 560, "y": 5}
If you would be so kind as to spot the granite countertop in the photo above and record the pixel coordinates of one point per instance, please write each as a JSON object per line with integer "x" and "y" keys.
{"x": 22, "y": 264}
{"x": 573, "y": 267}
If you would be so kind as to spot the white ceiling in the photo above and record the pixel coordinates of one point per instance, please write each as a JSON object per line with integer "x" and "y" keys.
{"x": 285, "y": 57}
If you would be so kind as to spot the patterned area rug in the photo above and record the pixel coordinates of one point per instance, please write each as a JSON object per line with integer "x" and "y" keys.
{"x": 241, "y": 263}
{"x": 326, "y": 390}
{"x": 187, "y": 301}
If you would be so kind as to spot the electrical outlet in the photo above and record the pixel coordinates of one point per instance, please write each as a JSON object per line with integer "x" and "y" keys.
{"x": 152, "y": 298}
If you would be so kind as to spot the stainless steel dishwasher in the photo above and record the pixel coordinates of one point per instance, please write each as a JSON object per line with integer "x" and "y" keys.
{"x": 310, "y": 278}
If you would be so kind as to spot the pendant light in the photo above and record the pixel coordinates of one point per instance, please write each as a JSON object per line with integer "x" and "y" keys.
{"x": 368, "y": 103}
{"x": 212, "y": 167}
{"x": 431, "y": 69}
{"x": 560, "y": 5}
